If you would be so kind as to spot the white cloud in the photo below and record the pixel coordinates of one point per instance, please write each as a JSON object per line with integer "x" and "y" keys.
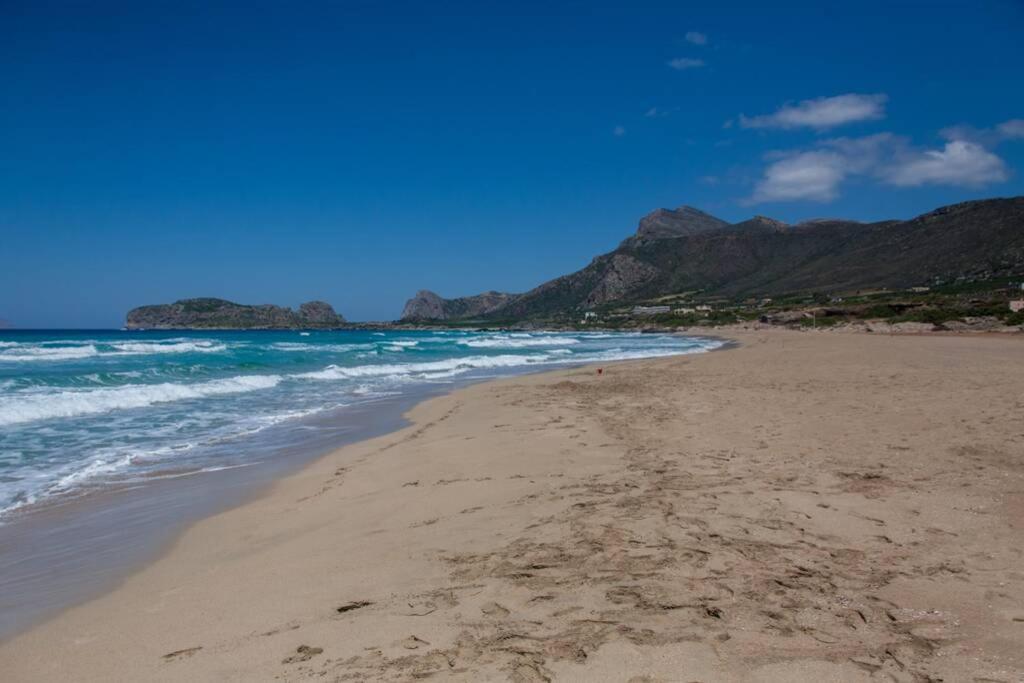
{"x": 684, "y": 63}
{"x": 959, "y": 163}
{"x": 817, "y": 174}
{"x": 821, "y": 113}
{"x": 810, "y": 176}
{"x": 618, "y": 131}
{"x": 696, "y": 38}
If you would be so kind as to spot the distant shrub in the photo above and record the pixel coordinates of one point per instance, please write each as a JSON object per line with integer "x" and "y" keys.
{"x": 878, "y": 311}
{"x": 933, "y": 316}
{"x": 821, "y": 321}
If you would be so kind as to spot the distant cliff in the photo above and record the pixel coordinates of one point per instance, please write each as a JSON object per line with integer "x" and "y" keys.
{"x": 221, "y": 314}
{"x": 427, "y": 305}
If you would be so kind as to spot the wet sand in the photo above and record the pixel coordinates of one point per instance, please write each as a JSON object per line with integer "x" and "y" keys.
{"x": 808, "y": 506}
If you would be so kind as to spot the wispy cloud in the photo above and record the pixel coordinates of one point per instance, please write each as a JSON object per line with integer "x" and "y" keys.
{"x": 1012, "y": 129}
{"x": 817, "y": 174}
{"x": 821, "y": 113}
{"x": 618, "y": 131}
{"x": 684, "y": 63}
{"x": 659, "y": 112}
{"x": 696, "y": 38}
{"x": 1007, "y": 130}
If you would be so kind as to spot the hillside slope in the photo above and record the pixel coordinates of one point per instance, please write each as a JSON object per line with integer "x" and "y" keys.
{"x": 687, "y": 250}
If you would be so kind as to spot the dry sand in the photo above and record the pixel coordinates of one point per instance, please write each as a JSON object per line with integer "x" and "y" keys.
{"x": 809, "y": 506}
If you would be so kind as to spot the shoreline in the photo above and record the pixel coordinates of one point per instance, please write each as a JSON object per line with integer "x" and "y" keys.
{"x": 150, "y": 516}
{"x": 362, "y": 524}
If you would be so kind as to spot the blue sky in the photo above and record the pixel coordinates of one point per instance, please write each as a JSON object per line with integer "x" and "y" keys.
{"x": 359, "y": 151}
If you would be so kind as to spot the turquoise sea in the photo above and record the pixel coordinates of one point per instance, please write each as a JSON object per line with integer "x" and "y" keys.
{"x": 84, "y": 410}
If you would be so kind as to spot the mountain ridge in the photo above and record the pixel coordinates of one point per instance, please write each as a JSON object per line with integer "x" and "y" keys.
{"x": 685, "y": 249}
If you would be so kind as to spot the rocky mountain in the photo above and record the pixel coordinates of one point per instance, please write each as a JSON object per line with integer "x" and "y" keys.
{"x": 667, "y": 223}
{"x": 221, "y": 314}
{"x": 685, "y": 250}
{"x": 427, "y": 305}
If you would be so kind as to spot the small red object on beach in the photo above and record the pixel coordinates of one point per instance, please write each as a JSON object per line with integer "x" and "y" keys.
{"x": 600, "y": 370}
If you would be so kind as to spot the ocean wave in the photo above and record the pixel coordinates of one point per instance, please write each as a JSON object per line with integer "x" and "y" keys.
{"x": 313, "y": 348}
{"x": 112, "y": 443}
{"x": 133, "y": 464}
{"x": 48, "y": 352}
{"x": 640, "y": 354}
{"x": 143, "y": 348}
{"x": 518, "y": 342}
{"x": 335, "y": 372}
{"x": 24, "y": 354}
{"x": 29, "y": 407}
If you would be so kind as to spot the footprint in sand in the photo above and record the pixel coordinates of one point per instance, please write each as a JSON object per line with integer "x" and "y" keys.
{"x": 419, "y": 608}
{"x": 413, "y": 643}
{"x": 493, "y": 609}
{"x": 302, "y": 654}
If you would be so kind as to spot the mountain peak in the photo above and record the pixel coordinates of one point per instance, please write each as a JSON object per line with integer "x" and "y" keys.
{"x": 681, "y": 222}
{"x": 427, "y": 305}
{"x": 761, "y": 224}
{"x": 768, "y": 220}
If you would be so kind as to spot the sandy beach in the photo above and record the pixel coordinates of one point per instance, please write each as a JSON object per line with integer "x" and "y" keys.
{"x": 805, "y": 506}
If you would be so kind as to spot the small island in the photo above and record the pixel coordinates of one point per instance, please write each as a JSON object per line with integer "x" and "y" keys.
{"x": 212, "y": 313}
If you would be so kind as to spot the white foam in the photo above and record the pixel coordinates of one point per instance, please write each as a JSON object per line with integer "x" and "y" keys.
{"x": 518, "y": 342}
{"x": 47, "y": 352}
{"x": 339, "y": 348}
{"x": 335, "y": 372}
{"x": 97, "y": 467}
{"x": 143, "y": 348}
{"x": 27, "y": 407}
{"x": 24, "y": 354}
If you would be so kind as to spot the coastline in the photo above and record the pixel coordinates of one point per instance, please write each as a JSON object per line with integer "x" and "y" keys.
{"x": 149, "y": 517}
{"x": 562, "y": 524}
{"x": 63, "y": 552}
